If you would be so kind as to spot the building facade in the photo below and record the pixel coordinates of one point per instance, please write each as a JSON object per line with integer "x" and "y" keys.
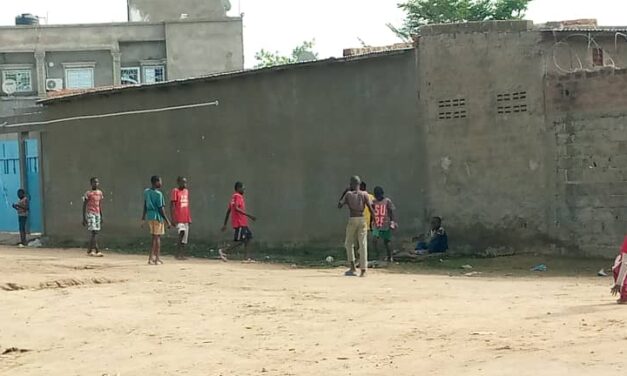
{"x": 513, "y": 133}
{"x": 162, "y": 41}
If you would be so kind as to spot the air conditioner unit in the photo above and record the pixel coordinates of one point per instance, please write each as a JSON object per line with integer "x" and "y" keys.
{"x": 54, "y": 84}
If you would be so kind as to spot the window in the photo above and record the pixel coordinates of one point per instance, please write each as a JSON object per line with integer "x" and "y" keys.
{"x": 155, "y": 73}
{"x": 79, "y": 78}
{"x": 511, "y": 103}
{"x": 131, "y": 76}
{"x": 22, "y": 78}
{"x": 597, "y": 57}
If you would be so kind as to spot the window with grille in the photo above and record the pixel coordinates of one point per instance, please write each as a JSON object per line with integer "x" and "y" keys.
{"x": 155, "y": 73}
{"x": 79, "y": 78}
{"x": 131, "y": 76}
{"x": 22, "y": 78}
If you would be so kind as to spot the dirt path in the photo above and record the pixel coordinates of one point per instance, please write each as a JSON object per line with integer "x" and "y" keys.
{"x": 85, "y": 316}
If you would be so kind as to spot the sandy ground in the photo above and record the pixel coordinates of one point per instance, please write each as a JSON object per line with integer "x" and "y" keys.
{"x": 117, "y": 315}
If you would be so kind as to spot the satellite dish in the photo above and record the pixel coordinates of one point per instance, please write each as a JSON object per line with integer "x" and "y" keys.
{"x": 9, "y": 87}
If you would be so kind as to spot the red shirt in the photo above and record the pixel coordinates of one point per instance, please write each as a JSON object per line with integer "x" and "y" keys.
{"x": 238, "y": 219}
{"x": 180, "y": 212}
{"x": 93, "y": 198}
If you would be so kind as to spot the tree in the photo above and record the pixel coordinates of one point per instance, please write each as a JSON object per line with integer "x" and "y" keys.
{"x": 302, "y": 52}
{"x": 423, "y": 12}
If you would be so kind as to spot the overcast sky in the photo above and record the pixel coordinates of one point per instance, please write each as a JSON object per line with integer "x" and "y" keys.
{"x": 282, "y": 24}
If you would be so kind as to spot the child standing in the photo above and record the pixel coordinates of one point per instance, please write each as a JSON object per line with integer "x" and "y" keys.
{"x": 357, "y": 228}
{"x": 384, "y": 221}
{"x": 22, "y": 208}
{"x": 181, "y": 217}
{"x": 154, "y": 213}
{"x": 620, "y": 272}
{"x": 92, "y": 215}
{"x": 239, "y": 222}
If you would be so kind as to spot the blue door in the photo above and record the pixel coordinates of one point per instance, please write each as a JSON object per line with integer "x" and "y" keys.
{"x": 34, "y": 186}
{"x": 9, "y": 184}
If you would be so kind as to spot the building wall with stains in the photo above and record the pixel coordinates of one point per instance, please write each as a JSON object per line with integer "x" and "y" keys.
{"x": 294, "y": 135}
{"x": 489, "y": 154}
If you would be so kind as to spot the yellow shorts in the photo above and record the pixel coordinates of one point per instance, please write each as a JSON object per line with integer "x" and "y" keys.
{"x": 156, "y": 227}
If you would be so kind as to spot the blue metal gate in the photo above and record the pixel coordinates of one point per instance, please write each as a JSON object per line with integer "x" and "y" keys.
{"x": 10, "y": 183}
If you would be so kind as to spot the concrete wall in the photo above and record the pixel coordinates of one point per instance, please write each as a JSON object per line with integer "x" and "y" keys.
{"x": 103, "y": 69}
{"x": 489, "y": 156}
{"x": 294, "y": 135}
{"x": 588, "y": 117}
{"x": 163, "y": 10}
{"x": 199, "y": 48}
{"x": 134, "y": 52}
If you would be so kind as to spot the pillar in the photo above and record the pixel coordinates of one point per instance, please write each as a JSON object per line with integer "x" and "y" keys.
{"x": 40, "y": 58}
{"x": 117, "y": 68}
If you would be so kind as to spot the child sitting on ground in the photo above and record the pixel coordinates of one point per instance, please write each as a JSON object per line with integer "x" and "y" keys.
{"x": 436, "y": 241}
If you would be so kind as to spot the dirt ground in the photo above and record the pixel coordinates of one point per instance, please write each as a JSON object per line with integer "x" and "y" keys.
{"x": 118, "y": 316}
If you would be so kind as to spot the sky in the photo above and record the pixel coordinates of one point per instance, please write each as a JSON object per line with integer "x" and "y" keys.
{"x": 279, "y": 25}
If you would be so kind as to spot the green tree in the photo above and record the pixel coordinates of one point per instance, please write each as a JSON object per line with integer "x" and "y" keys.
{"x": 423, "y": 12}
{"x": 303, "y": 52}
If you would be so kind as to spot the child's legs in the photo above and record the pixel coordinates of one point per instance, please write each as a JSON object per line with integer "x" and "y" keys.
{"x": 362, "y": 233}
{"x": 388, "y": 248}
{"x": 22, "y": 224}
{"x": 349, "y": 242}
{"x": 157, "y": 246}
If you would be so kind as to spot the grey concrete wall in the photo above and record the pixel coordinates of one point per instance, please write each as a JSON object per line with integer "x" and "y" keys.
{"x": 199, "y": 48}
{"x": 163, "y": 10}
{"x": 293, "y": 135}
{"x": 588, "y": 117}
{"x": 76, "y": 37}
{"x": 490, "y": 174}
{"x": 103, "y": 70}
{"x": 133, "y": 53}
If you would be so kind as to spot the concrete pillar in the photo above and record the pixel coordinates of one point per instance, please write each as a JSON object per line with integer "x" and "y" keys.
{"x": 40, "y": 58}
{"x": 117, "y": 68}
{"x": 22, "y": 136}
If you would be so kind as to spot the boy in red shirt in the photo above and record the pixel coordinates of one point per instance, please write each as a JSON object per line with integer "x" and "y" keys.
{"x": 92, "y": 215}
{"x": 239, "y": 222}
{"x": 181, "y": 217}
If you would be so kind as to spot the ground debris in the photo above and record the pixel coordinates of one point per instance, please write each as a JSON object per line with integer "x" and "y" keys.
{"x": 59, "y": 284}
{"x": 11, "y": 350}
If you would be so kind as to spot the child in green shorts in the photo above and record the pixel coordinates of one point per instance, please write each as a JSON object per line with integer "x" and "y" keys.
{"x": 384, "y": 221}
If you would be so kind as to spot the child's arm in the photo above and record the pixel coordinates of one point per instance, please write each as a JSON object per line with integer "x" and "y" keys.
{"x": 101, "y": 217}
{"x": 342, "y": 201}
{"x": 172, "y": 203}
{"x": 84, "y": 211}
{"x": 369, "y": 205}
{"x": 144, "y": 213}
{"x": 164, "y": 216}
{"x": 226, "y": 218}
{"x": 239, "y": 210}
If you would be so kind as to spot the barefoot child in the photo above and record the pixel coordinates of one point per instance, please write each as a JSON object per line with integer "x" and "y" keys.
{"x": 384, "y": 221}
{"x": 92, "y": 215}
{"x": 154, "y": 213}
{"x": 239, "y": 222}
{"x": 357, "y": 228}
{"x": 181, "y": 218}
{"x": 22, "y": 208}
{"x": 620, "y": 272}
